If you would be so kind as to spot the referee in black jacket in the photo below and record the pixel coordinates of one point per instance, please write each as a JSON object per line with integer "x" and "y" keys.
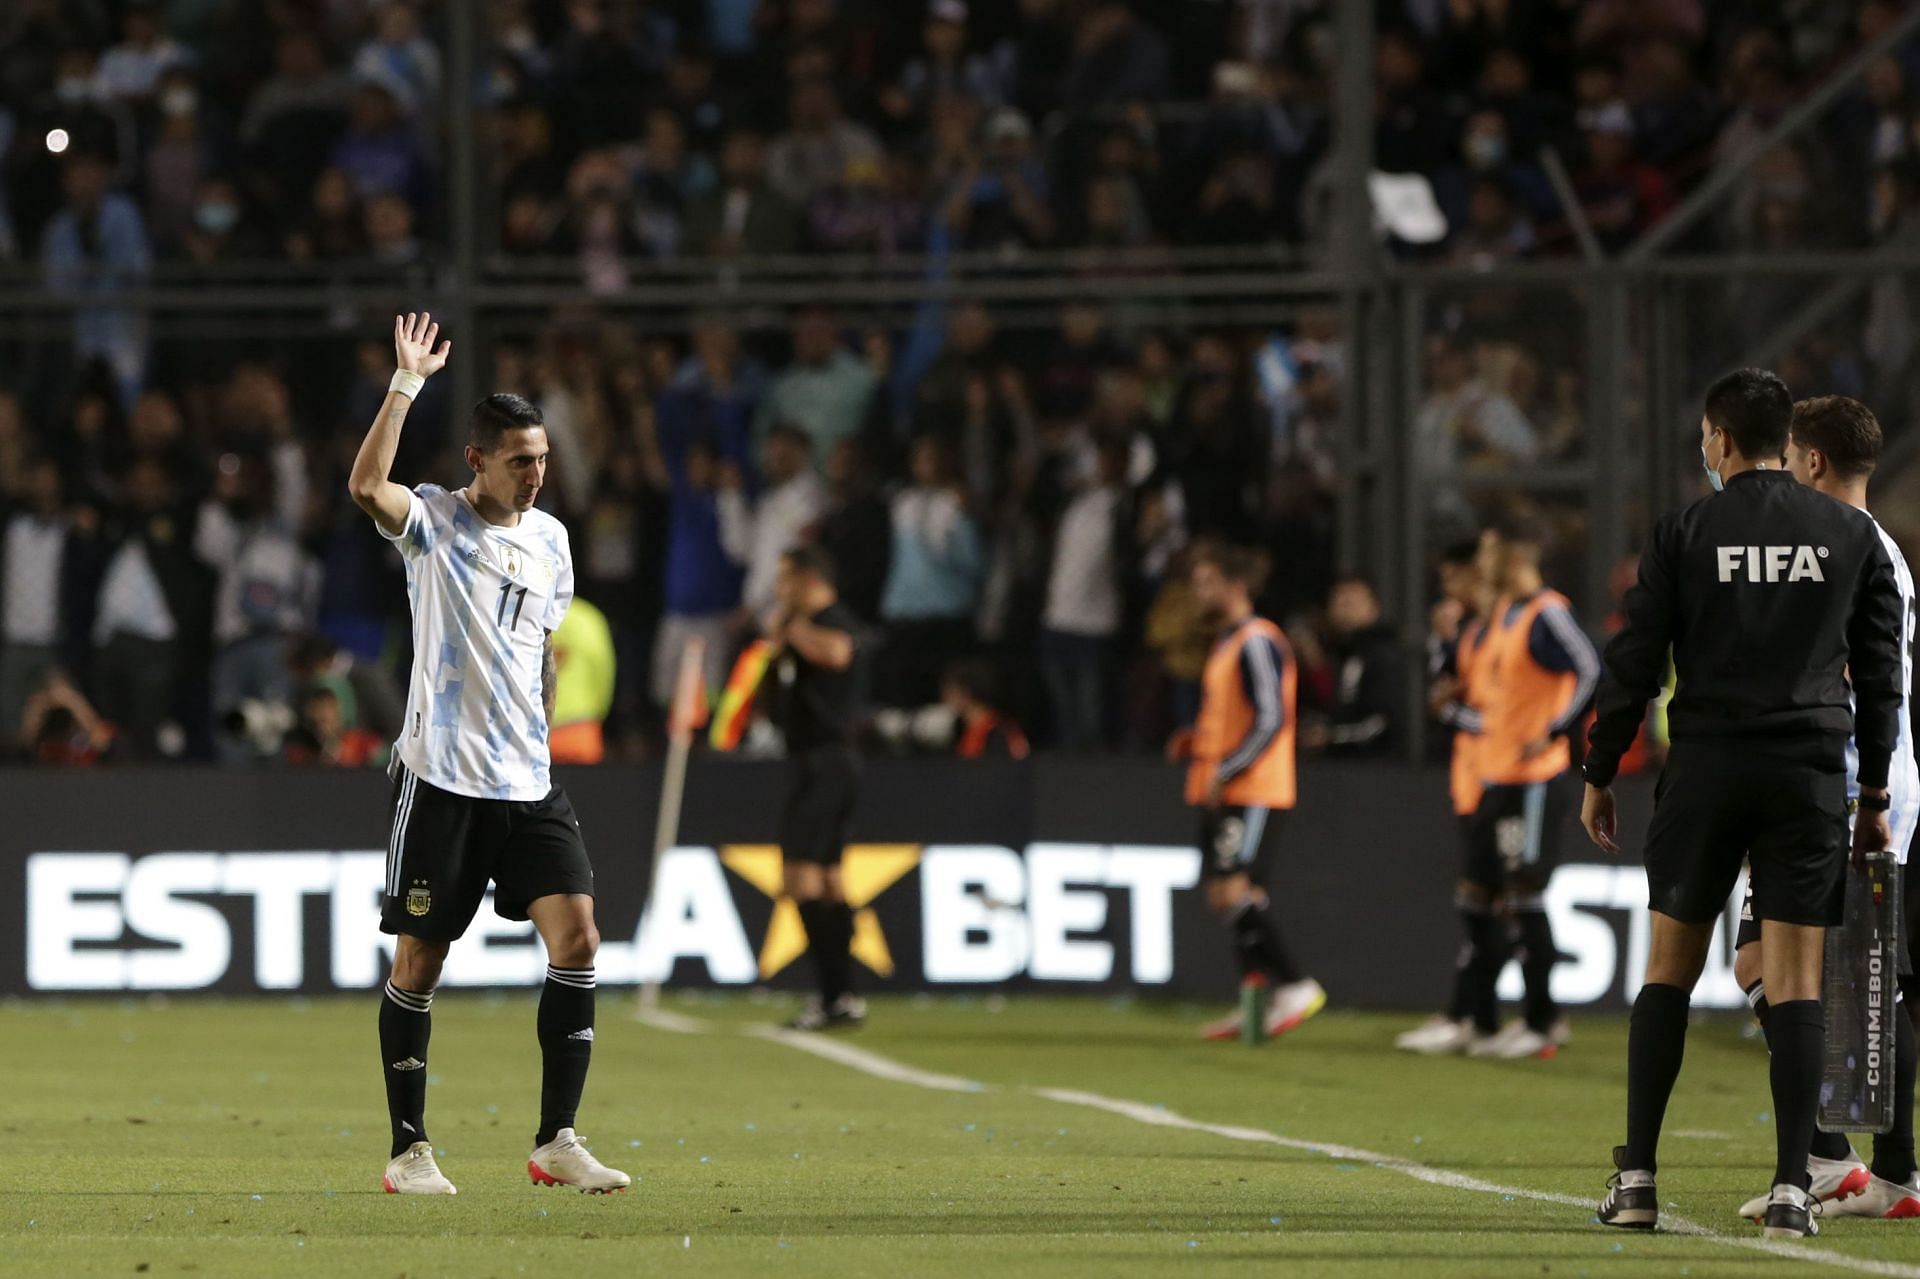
{"x": 1770, "y": 596}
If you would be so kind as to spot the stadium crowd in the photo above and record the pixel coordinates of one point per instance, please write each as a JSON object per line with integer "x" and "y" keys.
{"x": 181, "y": 574}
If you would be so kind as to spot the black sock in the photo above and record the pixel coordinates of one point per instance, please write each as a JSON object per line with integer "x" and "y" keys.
{"x": 1487, "y": 954}
{"x": 1797, "y": 1032}
{"x": 1656, "y": 1043}
{"x": 565, "y": 1028}
{"x": 829, "y": 928}
{"x": 1826, "y": 1145}
{"x": 1257, "y": 945}
{"x": 1536, "y": 966}
{"x": 839, "y": 920}
{"x": 406, "y": 1022}
{"x": 1461, "y": 1006}
{"x": 1893, "y": 1149}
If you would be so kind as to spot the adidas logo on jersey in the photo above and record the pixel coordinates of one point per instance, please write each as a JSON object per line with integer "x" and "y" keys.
{"x": 1771, "y": 563}
{"x": 411, "y": 1063}
{"x": 586, "y": 1034}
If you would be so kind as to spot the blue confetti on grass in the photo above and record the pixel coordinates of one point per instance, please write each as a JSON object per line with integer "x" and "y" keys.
{"x": 706, "y": 1159}
{"x": 634, "y": 1144}
{"x": 753, "y": 1127}
{"x": 1193, "y": 1243}
{"x": 539, "y": 1212}
{"x": 968, "y": 1127}
{"x": 258, "y": 1199}
{"x": 1273, "y": 1221}
{"x": 1619, "y": 1247}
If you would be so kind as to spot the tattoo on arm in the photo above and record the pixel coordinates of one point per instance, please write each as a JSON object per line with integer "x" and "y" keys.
{"x": 549, "y": 677}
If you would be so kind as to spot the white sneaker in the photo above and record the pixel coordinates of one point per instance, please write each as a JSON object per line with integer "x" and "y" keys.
{"x": 1494, "y": 1044}
{"x": 1292, "y": 1004}
{"x": 1886, "y": 1200}
{"x": 1521, "y": 1041}
{"x": 1829, "y": 1179}
{"x": 1436, "y": 1037}
{"x": 413, "y": 1172}
{"x": 565, "y": 1162}
{"x": 1561, "y": 1032}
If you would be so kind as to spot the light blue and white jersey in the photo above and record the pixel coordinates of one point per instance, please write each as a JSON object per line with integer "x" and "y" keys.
{"x": 1903, "y": 786}
{"x": 483, "y": 600}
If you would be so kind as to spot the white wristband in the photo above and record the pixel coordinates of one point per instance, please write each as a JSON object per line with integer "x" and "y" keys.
{"x": 407, "y": 384}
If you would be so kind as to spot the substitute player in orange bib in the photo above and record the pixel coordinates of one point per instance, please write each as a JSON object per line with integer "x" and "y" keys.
{"x": 1241, "y": 778}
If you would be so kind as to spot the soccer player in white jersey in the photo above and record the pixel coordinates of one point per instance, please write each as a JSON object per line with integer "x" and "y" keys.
{"x": 1834, "y": 447}
{"x": 488, "y": 580}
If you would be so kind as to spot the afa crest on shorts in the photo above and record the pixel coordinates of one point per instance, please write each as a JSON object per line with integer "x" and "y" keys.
{"x": 419, "y": 900}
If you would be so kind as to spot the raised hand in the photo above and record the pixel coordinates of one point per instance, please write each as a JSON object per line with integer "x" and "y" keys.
{"x": 413, "y": 337}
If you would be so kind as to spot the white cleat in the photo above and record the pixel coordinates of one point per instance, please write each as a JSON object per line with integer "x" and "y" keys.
{"x": 1292, "y": 1004}
{"x": 1514, "y": 1041}
{"x": 1884, "y": 1200}
{"x": 1561, "y": 1032}
{"x": 1436, "y": 1037}
{"x": 1829, "y": 1180}
{"x": 565, "y": 1162}
{"x": 413, "y": 1172}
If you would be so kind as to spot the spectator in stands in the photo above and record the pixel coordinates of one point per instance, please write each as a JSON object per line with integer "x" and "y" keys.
{"x": 402, "y": 58}
{"x": 304, "y": 94}
{"x": 61, "y": 728}
{"x": 369, "y": 695}
{"x": 1413, "y": 131}
{"x": 1002, "y": 202}
{"x": 1369, "y": 676}
{"x": 222, "y": 229}
{"x": 981, "y": 729}
{"x": 182, "y": 155}
{"x": 333, "y": 228}
{"x": 1085, "y": 599}
{"x": 150, "y": 616}
{"x": 818, "y": 145}
{"x": 759, "y": 531}
{"x": 701, "y": 584}
{"x": 741, "y": 216}
{"x": 1621, "y": 197}
{"x": 943, "y": 69}
{"x": 933, "y": 582}
{"x": 34, "y": 577}
{"x": 267, "y": 589}
{"x": 130, "y": 70}
{"x": 826, "y": 392}
{"x": 1495, "y": 230}
{"x": 705, "y": 109}
{"x": 323, "y": 736}
{"x": 96, "y": 247}
{"x": 856, "y": 530}
{"x": 379, "y": 153}
{"x": 1116, "y": 59}
{"x": 666, "y": 181}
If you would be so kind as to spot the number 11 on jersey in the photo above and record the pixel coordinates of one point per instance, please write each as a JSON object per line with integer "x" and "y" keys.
{"x": 519, "y": 595}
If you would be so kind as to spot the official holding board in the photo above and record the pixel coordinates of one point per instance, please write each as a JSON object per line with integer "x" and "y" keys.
{"x": 1771, "y": 597}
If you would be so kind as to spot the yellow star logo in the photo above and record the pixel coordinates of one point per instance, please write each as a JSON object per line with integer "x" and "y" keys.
{"x": 867, "y": 870}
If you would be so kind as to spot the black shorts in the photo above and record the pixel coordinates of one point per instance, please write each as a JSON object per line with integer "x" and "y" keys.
{"x": 1239, "y": 840}
{"x": 822, "y": 787}
{"x": 1715, "y": 806}
{"x": 1513, "y": 838}
{"x": 444, "y": 849}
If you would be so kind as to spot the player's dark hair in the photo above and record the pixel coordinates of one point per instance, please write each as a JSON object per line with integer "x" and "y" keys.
{"x": 810, "y": 560}
{"x": 1842, "y": 428}
{"x": 499, "y": 413}
{"x": 1241, "y": 565}
{"x": 1461, "y": 554}
{"x": 1755, "y": 408}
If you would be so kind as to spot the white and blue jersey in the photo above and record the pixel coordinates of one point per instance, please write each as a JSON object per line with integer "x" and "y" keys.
{"x": 483, "y": 599}
{"x": 1903, "y": 784}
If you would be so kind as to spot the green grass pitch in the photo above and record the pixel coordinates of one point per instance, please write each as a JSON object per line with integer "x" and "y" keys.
{"x": 247, "y": 1138}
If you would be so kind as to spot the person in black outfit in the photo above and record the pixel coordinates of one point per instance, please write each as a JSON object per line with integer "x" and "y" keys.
{"x": 814, "y": 639}
{"x": 1770, "y": 596}
{"x": 1369, "y": 675}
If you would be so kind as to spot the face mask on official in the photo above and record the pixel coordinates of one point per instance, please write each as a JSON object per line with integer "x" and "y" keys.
{"x": 1712, "y": 470}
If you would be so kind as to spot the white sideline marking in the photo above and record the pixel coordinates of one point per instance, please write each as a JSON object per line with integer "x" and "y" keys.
{"x": 1163, "y": 1118}
{"x": 865, "y": 1062}
{"x": 874, "y": 1064}
{"x": 676, "y": 1023}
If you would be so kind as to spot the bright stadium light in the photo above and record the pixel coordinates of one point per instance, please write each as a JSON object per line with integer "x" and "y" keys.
{"x": 57, "y": 140}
